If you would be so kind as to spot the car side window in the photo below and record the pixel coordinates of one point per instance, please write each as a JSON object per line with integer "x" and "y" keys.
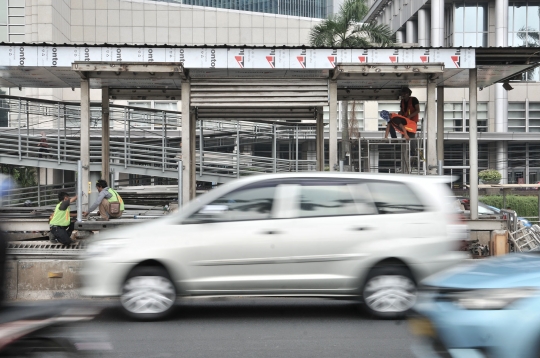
{"x": 394, "y": 198}
{"x": 485, "y": 211}
{"x": 333, "y": 199}
{"x": 249, "y": 203}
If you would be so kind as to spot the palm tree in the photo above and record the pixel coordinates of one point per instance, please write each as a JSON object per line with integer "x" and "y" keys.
{"x": 346, "y": 30}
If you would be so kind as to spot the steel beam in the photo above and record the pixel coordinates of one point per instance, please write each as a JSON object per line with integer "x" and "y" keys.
{"x": 333, "y": 142}
{"x": 440, "y": 124}
{"x": 105, "y": 134}
{"x": 188, "y": 145}
{"x": 431, "y": 122}
{"x": 85, "y": 142}
{"x": 320, "y": 139}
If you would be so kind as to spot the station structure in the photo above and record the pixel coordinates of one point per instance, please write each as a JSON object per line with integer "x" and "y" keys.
{"x": 276, "y": 84}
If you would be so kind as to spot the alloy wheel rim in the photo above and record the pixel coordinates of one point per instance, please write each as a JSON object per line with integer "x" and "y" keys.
{"x": 148, "y": 295}
{"x": 390, "y": 293}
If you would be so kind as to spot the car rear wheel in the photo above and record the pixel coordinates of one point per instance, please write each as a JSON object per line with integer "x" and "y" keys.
{"x": 389, "y": 292}
{"x": 148, "y": 294}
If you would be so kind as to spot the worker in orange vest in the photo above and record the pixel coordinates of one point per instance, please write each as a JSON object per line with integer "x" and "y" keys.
{"x": 395, "y": 122}
{"x": 409, "y": 106}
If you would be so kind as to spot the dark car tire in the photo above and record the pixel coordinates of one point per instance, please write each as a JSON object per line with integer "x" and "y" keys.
{"x": 148, "y": 294}
{"x": 389, "y": 292}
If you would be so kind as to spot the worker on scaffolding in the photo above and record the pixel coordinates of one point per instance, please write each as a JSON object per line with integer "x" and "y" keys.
{"x": 109, "y": 201}
{"x": 60, "y": 221}
{"x": 409, "y": 108}
{"x": 396, "y": 122}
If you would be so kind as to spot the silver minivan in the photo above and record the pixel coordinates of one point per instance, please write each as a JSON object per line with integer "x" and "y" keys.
{"x": 368, "y": 237}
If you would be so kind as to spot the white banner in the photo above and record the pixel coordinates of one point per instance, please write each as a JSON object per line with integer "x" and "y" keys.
{"x": 231, "y": 58}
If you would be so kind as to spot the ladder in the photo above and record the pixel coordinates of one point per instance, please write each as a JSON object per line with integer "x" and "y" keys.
{"x": 523, "y": 238}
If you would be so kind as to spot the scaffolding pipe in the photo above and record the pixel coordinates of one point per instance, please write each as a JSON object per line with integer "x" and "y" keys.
{"x": 27, "y": 129}
{"x": 201, "y": 146}
{"x": 180, "y": 183}
{"x": 296, "y": 135}
{"x": 39, "y": 186}
{"x": 163, "y": 142}
{"x": 58, "y": 136}
{"x": 125, "y": 138}
{"x": 274, "y": 148}
{"x": 19, "y": 120}
{"x": 79, "y": 190}
{"x": 238, "y": 149}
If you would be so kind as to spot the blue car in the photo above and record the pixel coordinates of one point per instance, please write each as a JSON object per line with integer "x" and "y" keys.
{"x": 489, "y": 308}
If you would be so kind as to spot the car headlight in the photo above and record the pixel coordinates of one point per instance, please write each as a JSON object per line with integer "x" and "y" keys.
{"x": 490, "y": 299}
{"x": 103, "y": 247}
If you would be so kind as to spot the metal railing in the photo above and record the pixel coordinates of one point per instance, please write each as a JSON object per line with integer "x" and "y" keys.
{"x": 40, "y": 195}
{"x": 132, "y": 154}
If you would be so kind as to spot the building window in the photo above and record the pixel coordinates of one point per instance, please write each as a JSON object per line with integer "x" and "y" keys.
{"x": 455, "y": 112}
{"x": 524, "y": 30}
{"x": 304, "y": 8}
{"x": 534, "y": 116}
{"x": 356, "y": 111}
{"x": 470, "y": 24}
{"x": 517, "y": 117}
{"x": 12, "y": 20}
{"x": 524, "y": 117}
{"x": 152, "y": 119}
{"x": 523, "y": 24}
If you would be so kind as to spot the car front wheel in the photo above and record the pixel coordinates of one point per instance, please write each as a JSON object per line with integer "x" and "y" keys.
{"x": 148, "y": 294}
{"x": 389, "y": 292}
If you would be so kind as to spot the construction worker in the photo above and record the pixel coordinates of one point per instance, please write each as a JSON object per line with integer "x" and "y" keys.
{"x": 395, "y": 122}
{"x": 60, "y": 220}
{"x": 106, "y": 200}
{"x": 409, "y": 106}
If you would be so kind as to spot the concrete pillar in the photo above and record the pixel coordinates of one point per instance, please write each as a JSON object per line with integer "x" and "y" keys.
{"x": 320, "y": 140}
{"x": 431, "y": 128}
{"x": 501, "y": 95}
{"x": 105, "y": 134}
{"x": 501, "y": 23}
{"x": 85, "y": 142}
{"x": 332, "y": 141}
{"x": 399, "y": 37}
{"x": 473, "y": 143}
{"x": 422, "y": 29}
{"x": 188, "y": 145}
{"x": 428, "y": 29}
{"x": 440, "y": 124}
{"x": 410, "y": 32}
{"x": 437, "y": 23}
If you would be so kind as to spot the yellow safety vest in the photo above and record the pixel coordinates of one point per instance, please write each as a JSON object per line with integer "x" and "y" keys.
{"x": 60, "y": 218}
{"x": 116, "y": 197}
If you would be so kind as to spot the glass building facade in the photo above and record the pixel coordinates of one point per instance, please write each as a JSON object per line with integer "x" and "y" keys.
{"x": 303, "y": 8}
{"x": 12, "y": 20}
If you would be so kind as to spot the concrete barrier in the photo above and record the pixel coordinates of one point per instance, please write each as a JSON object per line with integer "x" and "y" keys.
{"x": 35, "y": 279}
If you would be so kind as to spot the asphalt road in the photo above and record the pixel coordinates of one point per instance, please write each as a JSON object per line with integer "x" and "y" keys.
{"x": 256, "y": 327}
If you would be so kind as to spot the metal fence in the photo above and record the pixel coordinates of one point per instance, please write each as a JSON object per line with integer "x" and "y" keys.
{"x": 40, "y": 195}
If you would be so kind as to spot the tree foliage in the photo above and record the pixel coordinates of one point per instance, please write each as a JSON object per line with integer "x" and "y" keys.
{"x": 345, "y": 29}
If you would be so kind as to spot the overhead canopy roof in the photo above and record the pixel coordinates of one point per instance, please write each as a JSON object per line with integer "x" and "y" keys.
{"x": 52, "y": 66}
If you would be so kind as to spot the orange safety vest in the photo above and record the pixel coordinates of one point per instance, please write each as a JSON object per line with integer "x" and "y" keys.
{"x": 410, "y": 126}
{"x": 408, "y": 109}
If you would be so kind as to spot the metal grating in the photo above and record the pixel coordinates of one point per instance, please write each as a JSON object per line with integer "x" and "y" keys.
{"x": 259, "y": 93}
{"x": 44, "y": 248}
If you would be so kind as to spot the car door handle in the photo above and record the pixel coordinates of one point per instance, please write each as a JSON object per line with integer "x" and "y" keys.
{"x": 361, "y": 228}
{"x": 271, "y": 232}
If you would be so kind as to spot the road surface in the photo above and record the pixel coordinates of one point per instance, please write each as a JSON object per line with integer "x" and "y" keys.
{"x": 256, "y": 327}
